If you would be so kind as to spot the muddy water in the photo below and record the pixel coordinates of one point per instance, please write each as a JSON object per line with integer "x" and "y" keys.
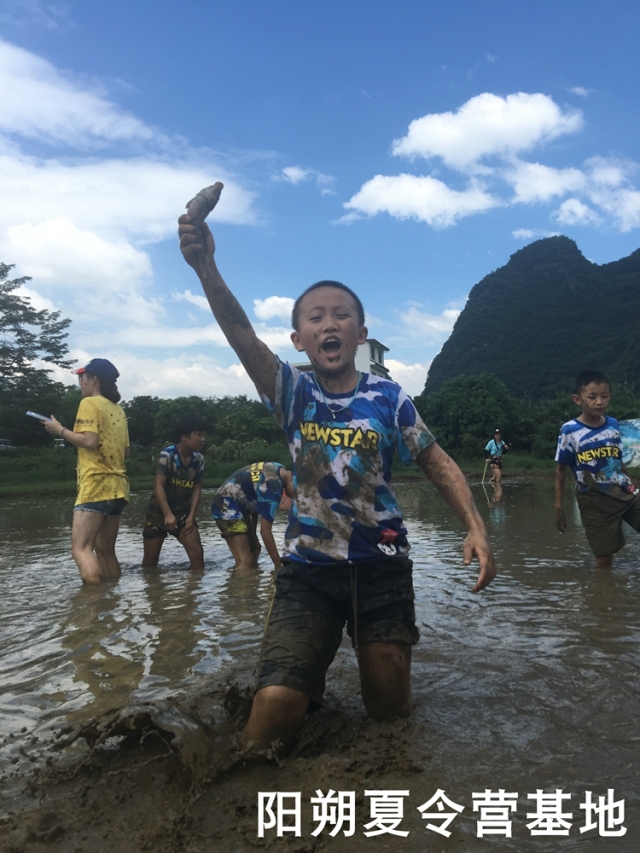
{"x": 533, "y": 684}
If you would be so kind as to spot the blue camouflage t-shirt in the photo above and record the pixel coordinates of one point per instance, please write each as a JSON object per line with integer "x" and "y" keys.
{"x": 342, "y": 447}
{"x": 594, "y": 454}
{"x": 256, "y": 488}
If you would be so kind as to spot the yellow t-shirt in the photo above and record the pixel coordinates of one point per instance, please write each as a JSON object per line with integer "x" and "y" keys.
{"x": 102, "y": 475}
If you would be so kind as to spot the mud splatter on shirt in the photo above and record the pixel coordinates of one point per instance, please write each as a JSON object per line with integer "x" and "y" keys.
{"x": 342, "y": 447}
{"x": 102, "y": 475}
{"x": 594, "y": 455}
{"x": 256, "y": 488}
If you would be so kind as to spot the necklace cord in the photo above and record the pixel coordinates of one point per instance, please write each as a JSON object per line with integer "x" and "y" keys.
{"x": 341, "y": 407}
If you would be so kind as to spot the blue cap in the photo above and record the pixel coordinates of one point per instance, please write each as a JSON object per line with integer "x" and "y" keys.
{"x": 100, "y": 367}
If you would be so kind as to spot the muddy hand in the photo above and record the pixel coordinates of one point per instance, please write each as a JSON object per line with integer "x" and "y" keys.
{"x": 196, "y": 244}
{"x": 198, "y": 208}
{"x": 477, "y": 545}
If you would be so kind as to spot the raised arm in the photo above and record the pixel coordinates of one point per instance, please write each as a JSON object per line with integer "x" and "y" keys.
{"x": 449, "y": 480}
{"x": 198, "y": 249}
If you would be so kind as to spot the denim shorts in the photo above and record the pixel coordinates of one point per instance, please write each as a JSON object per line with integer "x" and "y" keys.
{"x": 112, "y": 508}
{"x": 312, "y": 604}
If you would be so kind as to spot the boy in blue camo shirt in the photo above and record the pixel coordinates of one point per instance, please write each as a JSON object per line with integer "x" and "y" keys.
{"x": 345, "y": 558}
{"x": 591, "y": 447}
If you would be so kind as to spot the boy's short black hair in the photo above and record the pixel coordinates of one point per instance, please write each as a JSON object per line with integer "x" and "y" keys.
{"x": 587, "y": 377}
{"x": 295, "y": 313}
{"x": 186, "y": 424}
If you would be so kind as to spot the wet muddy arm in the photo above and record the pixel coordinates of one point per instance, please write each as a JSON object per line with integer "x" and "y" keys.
{"x": 266, "y": 531}
{"x": 161, "y": 497}
{"x": 561, "y": 476}
{"x": 449, "y": 480}
{"x": 198, "y": 249}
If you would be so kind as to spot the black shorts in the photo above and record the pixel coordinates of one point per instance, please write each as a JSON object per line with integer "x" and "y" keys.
{"x": 310, "y": 607}
{"x": 155, "y": 531}
{"x": 496, "y": 462}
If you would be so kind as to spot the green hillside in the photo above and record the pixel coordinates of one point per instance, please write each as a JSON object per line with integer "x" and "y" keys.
{"x": 545, "y": 316}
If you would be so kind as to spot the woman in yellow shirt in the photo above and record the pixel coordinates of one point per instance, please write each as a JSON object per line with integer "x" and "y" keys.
{"x": 100, "y": 433}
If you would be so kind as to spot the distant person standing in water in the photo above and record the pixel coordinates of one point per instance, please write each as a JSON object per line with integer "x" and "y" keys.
{"x": 494, "y": 452}
{"x": 100, "y": 433}
{"x": 176, "y": 494}
{"x": 590, "y": 447}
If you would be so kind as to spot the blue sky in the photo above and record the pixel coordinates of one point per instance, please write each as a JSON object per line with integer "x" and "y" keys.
{"x": 405, "y": 148}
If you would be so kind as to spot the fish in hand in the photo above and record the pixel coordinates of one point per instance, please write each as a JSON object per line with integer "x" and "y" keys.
{"x": 203, "y": 203}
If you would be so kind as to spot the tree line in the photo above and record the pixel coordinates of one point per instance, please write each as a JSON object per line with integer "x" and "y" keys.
{"x": 466, "y": 410}
{"x": 462, "y": 414}
{"x": 30, "y": 340}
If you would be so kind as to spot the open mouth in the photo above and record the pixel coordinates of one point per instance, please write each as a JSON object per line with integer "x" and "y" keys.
{"x": 331, "y": 346}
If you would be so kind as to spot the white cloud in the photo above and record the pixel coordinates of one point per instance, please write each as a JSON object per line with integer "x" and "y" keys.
{"x": 530, "y": 233}
{"x": 580, "y": 90}
{"x": 610, "y": 189}
{"x": 418, "y": 197}
{"x": 609, "y": 172}
{"x": 177, "y": 376}
{"x": 277, "y": 338}
{"x": 482, "y": 141}
{"x": 83, "y": 221}
{"x": 411, "y": 377}
{"x": 139, "y": 198}
{"x": 171, "y": 337}
{"x": 298, "y": 174}
{"x": 40, "y": 102}
{"x": 273, "y": 306}
{"x": 295, "y": 174}
{"x": 622, "y": 204}
{"x": 574, "y": 212}
{"x": 487, "y": 125}
{"x": 57, "y": 251}
{"x": 194, "y": 298}
{"x": 39, "y": 302}
{"x": 429, "y": 328}
{"x": 533, "y": 182}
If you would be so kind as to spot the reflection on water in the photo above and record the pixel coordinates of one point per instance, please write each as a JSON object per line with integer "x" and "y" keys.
{"x": 531, "y": 684}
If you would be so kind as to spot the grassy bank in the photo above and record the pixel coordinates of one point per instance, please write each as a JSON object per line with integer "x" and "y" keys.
{"x": 43, "y": 471}
{"x": 48, "y": 471}
{"x": 517, "y": 464}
